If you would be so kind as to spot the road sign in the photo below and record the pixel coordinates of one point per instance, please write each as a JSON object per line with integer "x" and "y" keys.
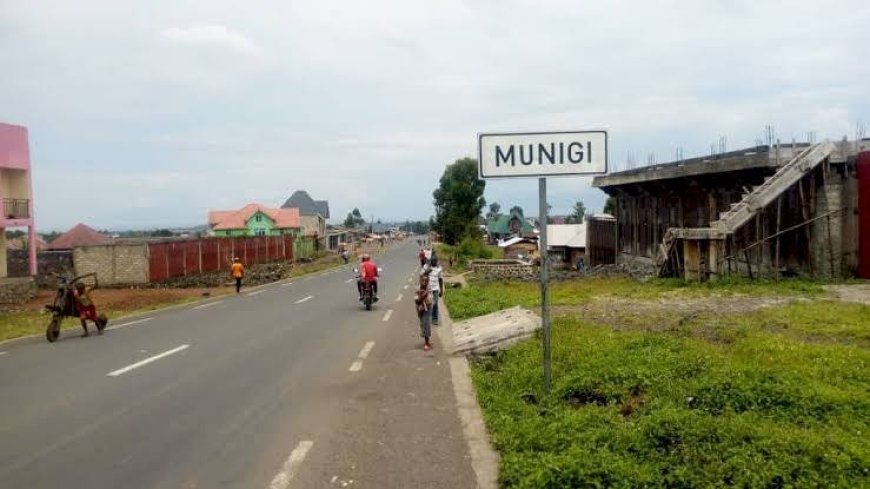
{"x": 542, "y": 154}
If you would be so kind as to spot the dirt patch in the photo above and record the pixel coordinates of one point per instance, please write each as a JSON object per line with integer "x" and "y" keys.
{"x": 859, "y": 293}
{"x": 668, "y": 313}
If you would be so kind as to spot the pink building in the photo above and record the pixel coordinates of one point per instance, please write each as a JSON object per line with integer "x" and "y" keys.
{"x": 16, "y": 190}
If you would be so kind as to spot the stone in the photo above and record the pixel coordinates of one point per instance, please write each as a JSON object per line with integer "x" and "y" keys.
{"x": 495, "y": 331}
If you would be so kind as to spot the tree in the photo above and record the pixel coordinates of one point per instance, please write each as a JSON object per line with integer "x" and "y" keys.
{"x": 610, "y": 206}
{"x": 354, "y": 219}
{"x": 577, "y": 214}
{"x": 494, "y": 210}
{"x": 517, "y": 209}
{"x": 458, "y": 201}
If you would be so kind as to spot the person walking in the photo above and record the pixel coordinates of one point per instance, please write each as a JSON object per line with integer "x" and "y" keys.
{"x": 423, "y": 303}
{"x": 436, "y": 286}
{"x": 422, "y": 257}
{"x": 237, "y": 271}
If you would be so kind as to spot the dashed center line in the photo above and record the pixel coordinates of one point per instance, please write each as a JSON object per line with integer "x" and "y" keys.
{"x": 399, "y": 299}
{"x": 387, "y": 315}
{"x": 131, "y": 323}
{"x": 2, "y": 352}
{"x": 148, "y": 360}
{"x": 356, "y": 366}
{"x": 348, "y": 281}
{"x": 288, "y": 284}
{"x": 291, "y": 465}
{"x": 405, "y": 287}
{"x": 251, "y": 294}
{"x": 300, "y": 301}
{"x": 203, "y": 306}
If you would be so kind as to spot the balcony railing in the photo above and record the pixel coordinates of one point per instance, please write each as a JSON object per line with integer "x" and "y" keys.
{"x": 16, "y": 208}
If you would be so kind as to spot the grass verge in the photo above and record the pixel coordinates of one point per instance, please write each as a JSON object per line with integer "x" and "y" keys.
{"x": 771, "y": 397}
{"x": 33, "y": 322}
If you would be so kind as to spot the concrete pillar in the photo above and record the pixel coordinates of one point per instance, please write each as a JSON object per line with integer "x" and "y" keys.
{"x": 3, "y": 271}
{"x": 31, "y": 247}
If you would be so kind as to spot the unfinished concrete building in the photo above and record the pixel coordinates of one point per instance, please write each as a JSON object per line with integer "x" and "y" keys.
{"x": 762, "y": 211}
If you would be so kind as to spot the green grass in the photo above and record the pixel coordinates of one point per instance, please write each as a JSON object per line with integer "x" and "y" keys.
{"x": 668, "y": 397}
{"x": 643, "y": 409}
{"x": 484, "y": 297}
{"x": 817, "y": 320}
{"x": 319, "y": 265}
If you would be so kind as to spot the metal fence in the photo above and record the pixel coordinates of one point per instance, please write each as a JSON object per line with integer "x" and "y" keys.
{"x": 181, "y": 258}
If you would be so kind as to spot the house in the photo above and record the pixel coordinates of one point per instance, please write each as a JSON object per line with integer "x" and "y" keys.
{"x": 255, "y": 220}
{"x": 518, "y": 248}
{"x": 23, "y": 243}
{"x": 16, "y": 191}
{"x": 567, "y": 242}
{"x": 761, "y": 211}
{"x": 506, "y": 226}
{"x": 79, "y": 235}
{"x": 312, "y": 213}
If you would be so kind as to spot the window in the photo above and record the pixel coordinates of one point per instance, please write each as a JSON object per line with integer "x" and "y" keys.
{"x": 260, "y": 232}
{"x": 259, "y": 217}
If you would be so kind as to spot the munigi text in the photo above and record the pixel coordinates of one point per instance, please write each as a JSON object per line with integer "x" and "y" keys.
{"x": 527, "y": 154}
{"x": 542, "y": 154}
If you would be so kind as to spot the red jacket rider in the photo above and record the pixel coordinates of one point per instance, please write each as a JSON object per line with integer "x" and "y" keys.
{"x": 368, "y": 272}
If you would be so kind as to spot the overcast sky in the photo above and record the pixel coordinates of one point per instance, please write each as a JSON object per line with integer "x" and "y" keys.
{"x": 151, "y": 113}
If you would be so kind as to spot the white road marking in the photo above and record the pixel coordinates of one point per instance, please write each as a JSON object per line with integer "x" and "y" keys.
{"x": 356, "y": 366}
{"x": 250, "y": 294}
{"x": 399, "y": 299}
{"x": 288, "y": 284}
{"x": 148, "y": 360}
{"x": 300, "y": 301}
{"x": 291, "y": 465}
{"x": 2, "y": 352}
{"x": 388, "y": 314}
{"x": 203, "y": 306}
{"x": 348, "y": 281}
{"x": 405, "y": 287}
{"x": 131, "y": 323}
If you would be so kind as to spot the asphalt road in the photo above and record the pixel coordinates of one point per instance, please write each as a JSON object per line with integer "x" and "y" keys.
{"x": 289, "y": 385}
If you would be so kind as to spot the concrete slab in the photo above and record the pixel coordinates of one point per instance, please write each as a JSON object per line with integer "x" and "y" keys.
{"x": 494, "y": 331}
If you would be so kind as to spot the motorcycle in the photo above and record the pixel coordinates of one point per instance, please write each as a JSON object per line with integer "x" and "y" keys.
{"x": 64, "y": 305}
{"x": 368, "y": 293}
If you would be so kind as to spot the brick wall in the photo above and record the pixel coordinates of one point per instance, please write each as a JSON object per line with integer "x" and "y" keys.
{"x": 114, "y": 264}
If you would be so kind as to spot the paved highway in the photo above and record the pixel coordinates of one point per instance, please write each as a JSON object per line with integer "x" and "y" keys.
{"x": 291, "y": 385}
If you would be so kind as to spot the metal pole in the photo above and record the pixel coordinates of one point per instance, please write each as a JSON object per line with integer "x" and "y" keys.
{"x": 545, "y": 292}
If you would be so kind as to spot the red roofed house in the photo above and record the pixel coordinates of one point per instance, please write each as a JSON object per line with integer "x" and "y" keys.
{"x": 79, "y": 235}
{"x": 16, "y": 190}
{"x": 255, "y": 220}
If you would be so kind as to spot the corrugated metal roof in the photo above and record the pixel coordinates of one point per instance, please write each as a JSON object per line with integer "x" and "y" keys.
{"x": 566, "y": 235}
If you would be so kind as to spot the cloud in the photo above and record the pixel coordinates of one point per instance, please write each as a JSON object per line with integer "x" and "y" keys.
{"x": 212, "y": 37}
{"x": 172, "y": 108}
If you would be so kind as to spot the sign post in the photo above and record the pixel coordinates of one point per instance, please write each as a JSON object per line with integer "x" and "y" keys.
{"x": 542, "y": 154}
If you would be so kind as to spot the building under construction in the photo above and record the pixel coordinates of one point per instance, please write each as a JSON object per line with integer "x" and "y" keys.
{"x": 799, "y": 209}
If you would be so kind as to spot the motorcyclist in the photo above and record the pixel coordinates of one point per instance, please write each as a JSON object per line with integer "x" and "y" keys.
{"x": 368, "y": 272}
